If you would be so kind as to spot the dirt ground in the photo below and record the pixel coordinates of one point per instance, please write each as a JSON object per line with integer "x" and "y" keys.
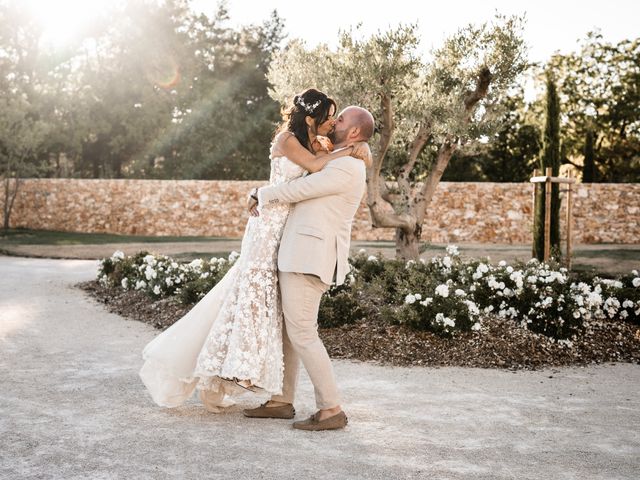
{"x": 72, "y": 407}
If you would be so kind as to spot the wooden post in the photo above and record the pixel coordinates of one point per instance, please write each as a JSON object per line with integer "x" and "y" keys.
{"x": 547, "y": 215}
{"x": 536, "y": 189}
{"x": 569, "y": 217}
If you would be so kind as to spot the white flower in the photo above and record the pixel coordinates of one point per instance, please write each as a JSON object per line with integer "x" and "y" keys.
{"x": 156, "y": 289}
{"x": 452, "y": 250}
{"x": 150, "y": 259}
{"x": 576, "y": 314}
{"x": 233, "y": 256}
{"x": 476, "y": 327}
{"x": 118, "y": 255}
{"x": 362, "y": 251}
{"x": 636, "y": 282}
{"x": 409, "y": 299}
{"x": 140, "y": 284}
{"x": 150, "y": 273}
{"x": 502, "y": 263}
{"x": 612, "y": 283}
{"x": 442, "y": 290}
{"x": 418, "y": 296}
{"x": 473, "y": 308}
{"x": 460, "y": 293}
{"x": 446, "y": 261}
{"x": 125, "y": 283}
{"x": 372, "y": 258}
{"x": 627, "y": 304}
{"x": 196, "y": 264}
{"x": 426, "y": 301}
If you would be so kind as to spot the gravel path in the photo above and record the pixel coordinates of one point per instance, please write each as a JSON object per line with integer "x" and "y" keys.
{"x": 72, "y": 407}
{"x": 611, "y": 258}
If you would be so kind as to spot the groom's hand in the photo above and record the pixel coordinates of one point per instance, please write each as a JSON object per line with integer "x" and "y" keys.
{"x": 252, "y": 203}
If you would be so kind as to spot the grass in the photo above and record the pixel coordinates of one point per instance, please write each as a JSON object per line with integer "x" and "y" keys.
{"x": 20, "y": 236}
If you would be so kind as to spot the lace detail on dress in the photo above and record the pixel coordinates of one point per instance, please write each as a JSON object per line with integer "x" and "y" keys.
{"x": 245, "y": 340}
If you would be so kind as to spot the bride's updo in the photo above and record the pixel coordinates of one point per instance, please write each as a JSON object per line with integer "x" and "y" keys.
{"x": 310, "y": 103}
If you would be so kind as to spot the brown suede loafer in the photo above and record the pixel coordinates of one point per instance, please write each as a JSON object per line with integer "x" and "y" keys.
{"x": 339, "y": 420}
{"x": 283, "y": 411}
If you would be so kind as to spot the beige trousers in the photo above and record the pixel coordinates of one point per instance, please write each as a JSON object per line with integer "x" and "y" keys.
{"x": 301, "y": 296}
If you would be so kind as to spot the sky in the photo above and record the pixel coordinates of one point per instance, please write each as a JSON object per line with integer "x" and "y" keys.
{"x": 550, "y": 25}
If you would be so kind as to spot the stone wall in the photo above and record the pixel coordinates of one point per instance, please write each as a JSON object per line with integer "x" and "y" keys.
{"x": 459, "y": 213}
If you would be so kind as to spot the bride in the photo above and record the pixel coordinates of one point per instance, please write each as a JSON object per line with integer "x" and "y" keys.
{"x": 231, "y": 340}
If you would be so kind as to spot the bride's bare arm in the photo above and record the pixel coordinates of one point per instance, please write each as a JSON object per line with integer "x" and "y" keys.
{"x": 290, "y": 147}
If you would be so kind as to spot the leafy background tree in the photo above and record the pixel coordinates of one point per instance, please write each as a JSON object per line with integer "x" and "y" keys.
{"x": 599, "y": 89}
{"x": 153, "y": 89}
{"x": 510, "y": 155}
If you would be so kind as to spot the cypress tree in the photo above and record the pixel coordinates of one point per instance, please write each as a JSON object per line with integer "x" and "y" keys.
{"x": 550, "y": 158}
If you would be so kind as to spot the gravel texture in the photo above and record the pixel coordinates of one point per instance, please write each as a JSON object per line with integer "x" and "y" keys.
{"x": 72, "y": 407}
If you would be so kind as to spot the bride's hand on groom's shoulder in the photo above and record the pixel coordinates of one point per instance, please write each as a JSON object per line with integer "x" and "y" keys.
{"x": 362, "y": 151}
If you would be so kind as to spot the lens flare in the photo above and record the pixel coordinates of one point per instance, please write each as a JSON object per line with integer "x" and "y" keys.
{"x": 165, "y": 73}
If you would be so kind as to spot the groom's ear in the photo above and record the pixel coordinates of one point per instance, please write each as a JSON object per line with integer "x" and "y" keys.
{"x": 355, "y": 132}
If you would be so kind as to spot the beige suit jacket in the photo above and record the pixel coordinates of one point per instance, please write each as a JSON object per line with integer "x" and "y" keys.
{"x": 317, "y": 234}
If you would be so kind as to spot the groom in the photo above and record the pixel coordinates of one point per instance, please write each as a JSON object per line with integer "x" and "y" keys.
{"x": 314, "y": 252}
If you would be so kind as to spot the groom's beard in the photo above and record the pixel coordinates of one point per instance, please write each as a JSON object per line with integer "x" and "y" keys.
{"x": 336, "y": 137}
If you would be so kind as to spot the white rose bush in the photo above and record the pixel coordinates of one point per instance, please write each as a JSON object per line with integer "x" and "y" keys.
{"x": 160, "y": 276}
{"x": 445, "y": 294}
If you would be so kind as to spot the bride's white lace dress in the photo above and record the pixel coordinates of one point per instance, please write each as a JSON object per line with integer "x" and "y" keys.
{"x": 235, "y": 331}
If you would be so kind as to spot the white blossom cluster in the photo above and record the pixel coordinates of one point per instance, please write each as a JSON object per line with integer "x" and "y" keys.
{"x": 535, "y": 295}
{"x": 159, "y": 275}
{"x": 439, "y": 307}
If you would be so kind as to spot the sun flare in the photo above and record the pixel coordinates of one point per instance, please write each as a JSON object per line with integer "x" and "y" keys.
{"x": 63, "y": 19}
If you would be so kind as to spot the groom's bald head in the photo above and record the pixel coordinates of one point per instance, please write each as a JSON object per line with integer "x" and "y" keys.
{"x": 362, "y": 119}
{"x": 353, "y": 124}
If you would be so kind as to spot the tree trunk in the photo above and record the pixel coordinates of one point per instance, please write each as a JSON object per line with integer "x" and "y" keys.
{"x": 9, "y": 199}
{"x": 408, "y": 243}
{"x": 6, "y": 205}
{"x": 589, "y": 169}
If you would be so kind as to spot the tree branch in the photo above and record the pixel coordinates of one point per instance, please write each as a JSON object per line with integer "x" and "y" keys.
{"x": 417, "y": 145}
{"x": 423, "y": 198}
{"x": 482, "y": 87}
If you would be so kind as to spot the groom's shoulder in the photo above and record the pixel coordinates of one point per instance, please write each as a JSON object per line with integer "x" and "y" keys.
{"x": 348, "y": 162}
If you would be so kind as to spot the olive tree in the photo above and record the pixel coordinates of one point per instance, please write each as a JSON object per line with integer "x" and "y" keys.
{"x": 424, "y": 110}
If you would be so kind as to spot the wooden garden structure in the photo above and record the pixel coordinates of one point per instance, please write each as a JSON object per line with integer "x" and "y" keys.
{"x": 547, "y": 180}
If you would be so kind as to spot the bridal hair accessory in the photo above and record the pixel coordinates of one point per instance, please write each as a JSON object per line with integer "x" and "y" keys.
{"x": 309, "y": 108}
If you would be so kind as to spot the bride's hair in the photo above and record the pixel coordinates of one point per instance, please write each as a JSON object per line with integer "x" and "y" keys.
{"x": 310, "y": 103}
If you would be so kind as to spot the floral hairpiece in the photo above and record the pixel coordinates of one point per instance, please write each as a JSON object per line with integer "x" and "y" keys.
{"x": 308, "y": 108}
